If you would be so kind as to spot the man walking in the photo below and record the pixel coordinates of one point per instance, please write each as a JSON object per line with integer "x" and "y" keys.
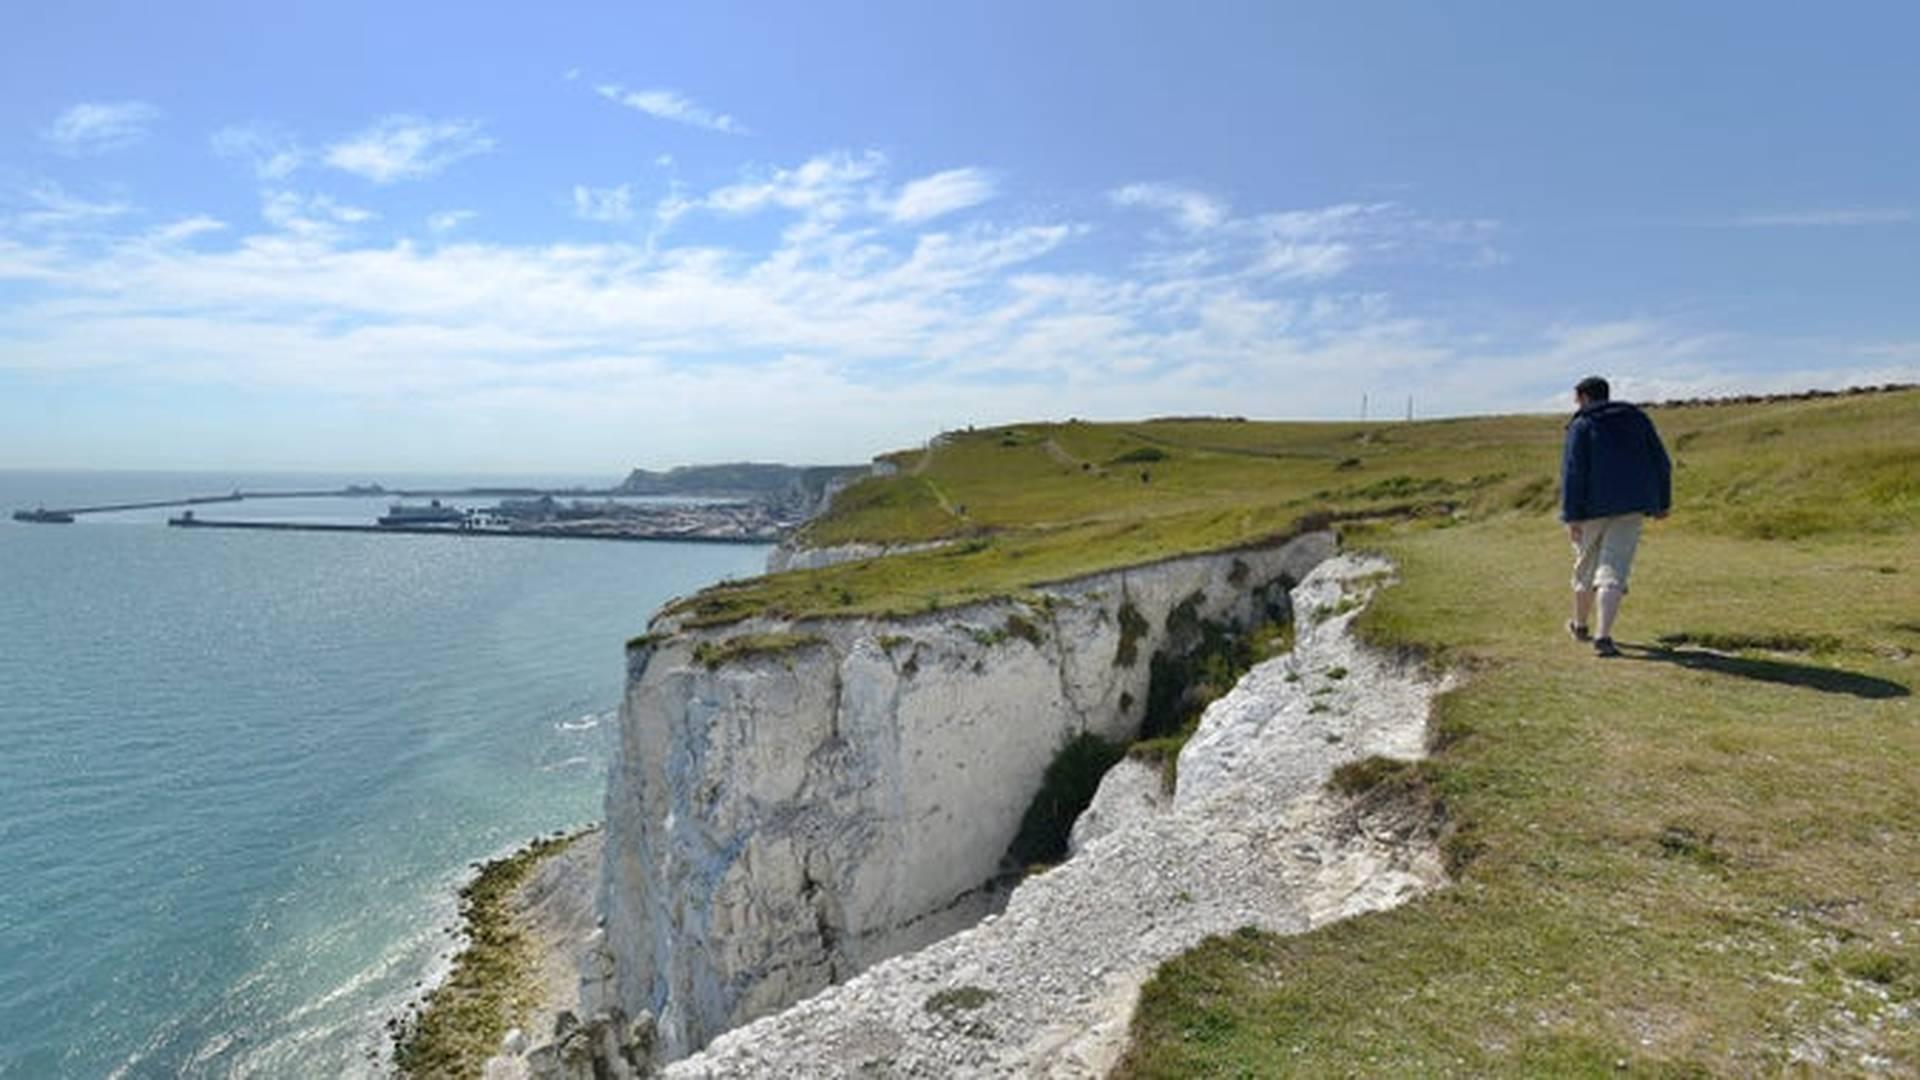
{"x": 1613, "y": 471}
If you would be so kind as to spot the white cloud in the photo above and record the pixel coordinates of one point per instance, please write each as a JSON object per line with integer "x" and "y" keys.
{"x": 1192, "y": 210}
{"x": 186, "y": 229}
{"x": 47, "y": 205}
{"x": 828, "y": 186}
{"x": 448, "y": 220}
{"x": 612, "y": 205}
{"x": 316, "y": 217}
{"x": 831, "y": 336}
{"x": 1343, "y": 219}
{"x": 674, "y": 106}
{"x": 1289, "y": 245}
{"x": 404, "y": 147}
{"x": 270, "y": 154}
{"x": 1828, "y": 218}
{"x": 942, "y": 193}
{"x": 98, "y": 127}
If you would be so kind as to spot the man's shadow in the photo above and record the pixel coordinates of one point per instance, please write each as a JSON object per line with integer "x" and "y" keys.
{"x": 1825, "y": 679}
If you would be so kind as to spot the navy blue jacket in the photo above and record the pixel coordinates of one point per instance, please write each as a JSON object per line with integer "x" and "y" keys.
{"x": 1613, "y": 463}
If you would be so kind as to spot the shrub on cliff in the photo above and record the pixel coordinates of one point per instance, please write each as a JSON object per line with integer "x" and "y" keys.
{"x": 1066, "y": 789}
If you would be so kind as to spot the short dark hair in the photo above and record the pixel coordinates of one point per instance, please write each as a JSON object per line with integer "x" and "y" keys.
{"x": 1593, "y": 388}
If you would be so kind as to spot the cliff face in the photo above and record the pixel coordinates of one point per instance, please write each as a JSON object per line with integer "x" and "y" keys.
{"x": 791, "y": 803}
{"x": 1252, "y": 836}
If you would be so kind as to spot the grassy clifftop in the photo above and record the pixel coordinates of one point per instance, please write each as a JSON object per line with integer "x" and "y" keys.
{"x": 1699, "y": 859}
{"x": 1032, "y": 503}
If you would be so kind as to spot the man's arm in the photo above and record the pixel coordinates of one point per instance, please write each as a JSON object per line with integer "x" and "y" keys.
{"x": 1663, "y": 468}
{"x": 1573, "y": 474}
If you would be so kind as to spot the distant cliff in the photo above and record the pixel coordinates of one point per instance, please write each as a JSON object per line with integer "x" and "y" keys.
{"x": 808, "y": 484}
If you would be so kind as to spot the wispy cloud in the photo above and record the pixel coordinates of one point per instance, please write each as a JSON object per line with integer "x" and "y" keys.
{"x": 98, "y": 127}
{"x": 827, "y": 187}
{"x": 940, "y": 194}
{"x": 674, "y": 106}
{"x": 1192, "y": 210}
{"x": 185, "y": 229}
{"x": 270, "y": 154}
{"x": 611, "y": 205}
{"x": 45, "y": 203}
{"x": 448, "y": 220}
{"x": 315, "y": 217}
{"x": 402, "y": 147}
{"x": 1834, "y": 217}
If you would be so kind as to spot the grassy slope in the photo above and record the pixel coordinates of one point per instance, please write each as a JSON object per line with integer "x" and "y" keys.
{"x": 1689, "y": 867}
{"x": 1687, "y": 862}
{"x": 1040, "y": 502}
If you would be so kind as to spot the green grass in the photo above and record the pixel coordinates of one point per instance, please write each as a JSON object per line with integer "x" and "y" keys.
{"x": 1689, "y": 861}
{"x": 1035, "y": 503}
{"x": 1699, "y": 859}
{"x": 958, "y": 999}
{"x": 494, "y": 982}
{"x": 717, "y": 654}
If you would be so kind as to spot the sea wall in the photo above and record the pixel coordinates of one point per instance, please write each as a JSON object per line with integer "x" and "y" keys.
{"x": 792, "y": 802}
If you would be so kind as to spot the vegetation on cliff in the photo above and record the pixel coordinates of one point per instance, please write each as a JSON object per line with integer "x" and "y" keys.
{"x": 494, "y": 982}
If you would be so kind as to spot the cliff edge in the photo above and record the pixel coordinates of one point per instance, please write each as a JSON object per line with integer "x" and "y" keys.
{"x": 792, "y": 802}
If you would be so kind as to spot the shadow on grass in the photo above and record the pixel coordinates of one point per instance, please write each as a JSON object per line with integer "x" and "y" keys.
{"x": 1825, "y": 679}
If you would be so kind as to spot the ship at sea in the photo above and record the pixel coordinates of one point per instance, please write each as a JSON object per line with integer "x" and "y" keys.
{"x": 44, "y": 517}
{"x": 431, "y": 514}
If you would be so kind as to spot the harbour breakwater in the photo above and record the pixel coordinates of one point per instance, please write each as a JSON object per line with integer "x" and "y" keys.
{"x": 691, "y": 536}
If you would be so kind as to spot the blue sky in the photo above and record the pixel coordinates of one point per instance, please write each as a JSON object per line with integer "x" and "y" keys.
{"x": 588, "y": 236}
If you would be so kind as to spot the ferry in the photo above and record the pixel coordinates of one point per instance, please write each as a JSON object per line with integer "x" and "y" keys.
{"x": 431, "y": 514}
{"x": 44, "y": 516}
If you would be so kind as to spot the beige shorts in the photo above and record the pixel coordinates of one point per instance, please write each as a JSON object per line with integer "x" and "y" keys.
{"x": 1604, "y": 556}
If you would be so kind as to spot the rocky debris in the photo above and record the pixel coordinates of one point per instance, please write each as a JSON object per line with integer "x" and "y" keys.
{"x": 1251, "y": 837}
{"x": 607, "y": 1046}
{"x": 555, "y": 905}
{"x": 1132, "y": 791}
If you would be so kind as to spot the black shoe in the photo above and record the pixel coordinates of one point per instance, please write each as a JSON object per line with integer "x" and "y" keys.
{"x": 1579, "y": 632}
{"x": 1604, "y": 647}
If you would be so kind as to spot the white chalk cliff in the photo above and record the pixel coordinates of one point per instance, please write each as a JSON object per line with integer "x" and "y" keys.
{"x": 1251, "y": 837}
{"x": 792, "y": 803}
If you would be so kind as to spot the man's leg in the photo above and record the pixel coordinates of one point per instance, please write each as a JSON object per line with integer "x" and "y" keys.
{"x": 1610, "y": 596}
{"x": 1586, "y": 559}
{"x": 1621, "y": 536}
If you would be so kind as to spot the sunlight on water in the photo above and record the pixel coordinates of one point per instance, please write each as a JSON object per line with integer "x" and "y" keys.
{"x": 244, "y": 773}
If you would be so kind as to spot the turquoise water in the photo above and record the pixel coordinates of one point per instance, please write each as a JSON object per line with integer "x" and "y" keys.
{"x": 242, "y": 773}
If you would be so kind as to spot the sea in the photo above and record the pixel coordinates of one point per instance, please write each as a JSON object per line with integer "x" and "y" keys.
{"x": 243, "y": 774}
